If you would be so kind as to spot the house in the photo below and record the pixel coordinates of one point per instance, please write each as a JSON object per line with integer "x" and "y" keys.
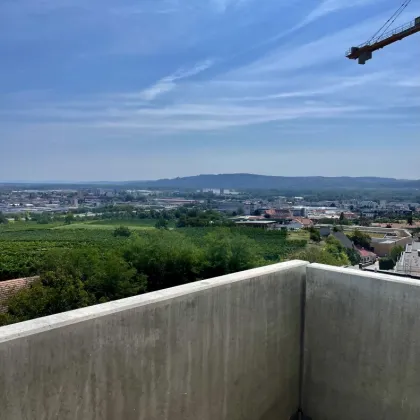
{"x": 367, "y": 257}
{"x": 294, "y": 225}
{"x": 325, "y": 231}
{"x": 349, "y": 215}
{"x": 307, "y": 223}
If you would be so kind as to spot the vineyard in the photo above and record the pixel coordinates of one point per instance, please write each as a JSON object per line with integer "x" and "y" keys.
{"x": 23, "y": 245}
{"x": 21, "y": 250}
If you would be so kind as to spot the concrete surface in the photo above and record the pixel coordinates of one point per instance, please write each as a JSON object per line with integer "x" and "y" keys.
{"x": 225, "y": 348}
{"x": 409, "y": 263}
{"x": 362, "y": 346}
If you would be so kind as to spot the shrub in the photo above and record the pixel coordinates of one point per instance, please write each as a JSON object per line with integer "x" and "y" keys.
{"x": 122, "y": 231}
{"x": 386, "y": 264}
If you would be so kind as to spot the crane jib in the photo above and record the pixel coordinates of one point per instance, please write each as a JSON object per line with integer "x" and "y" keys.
{"x": 364, "y": 52}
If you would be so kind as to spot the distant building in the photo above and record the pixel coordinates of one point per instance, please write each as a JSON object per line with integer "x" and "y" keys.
{"x": 294, "y": 225}
{"x": 300, "y": 211}
{"x": 368, "y": 204}
{"x": 349, "y": 215}
{"x": 279, "y": 213}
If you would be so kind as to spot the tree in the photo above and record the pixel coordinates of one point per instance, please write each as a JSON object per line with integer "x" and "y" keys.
{"x": 43, "y": 219}
{"x": 410, "y": 220}
{"x": 69, "y": 218}
{"x": 182, "y": 221}
{"x": 228, "y": 252}
{"x": 240, "y": 211}
{"x": 360, "y": 239}
{"x": 115, "y": 279}
{"x": 167, "y": 258}
{"x": 363, "y": 221}
{"x": 396, "y": 251}
{"x": 161, "y": 223}
{"x": 341, "y": 217}
{"x": 122, "y": 231}
{"x": 3, "y": 219}
{"x": 314, "y": 234}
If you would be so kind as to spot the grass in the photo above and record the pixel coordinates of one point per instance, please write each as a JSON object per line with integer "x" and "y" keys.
{"x": 298, "y": 234}
{"x": 26, "y": 226}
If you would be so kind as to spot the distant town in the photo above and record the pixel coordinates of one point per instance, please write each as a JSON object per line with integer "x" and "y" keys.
{"x": 293, "y": 212}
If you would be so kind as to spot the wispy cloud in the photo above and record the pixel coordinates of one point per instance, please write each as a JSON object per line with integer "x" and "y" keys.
{"x": 223, "y": 5}
{"x": 331, "y": 6}
{"x": 169, "y": 83}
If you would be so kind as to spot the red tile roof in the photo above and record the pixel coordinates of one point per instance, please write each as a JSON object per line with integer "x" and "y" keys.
{"x": 305, "y": 221}
{"x": 286, "y": 214}
{"x": 10, "y": 287}
{"x": 364, "y": 253}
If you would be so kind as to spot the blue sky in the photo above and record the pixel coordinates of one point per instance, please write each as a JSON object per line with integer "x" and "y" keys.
{"x": 119, "y": 90}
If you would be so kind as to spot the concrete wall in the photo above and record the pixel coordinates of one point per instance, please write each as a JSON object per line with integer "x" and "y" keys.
{"x": 362, "y": 346}
{"x": 225, "y": 348}
{"x": 384, "y": 247}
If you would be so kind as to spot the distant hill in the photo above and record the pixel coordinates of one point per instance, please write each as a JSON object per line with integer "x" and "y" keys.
{"x": 240, "y": 182}
{"x": 251, "y": 181}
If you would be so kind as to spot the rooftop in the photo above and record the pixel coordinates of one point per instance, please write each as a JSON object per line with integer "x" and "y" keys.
{"x": 264, "y": 344}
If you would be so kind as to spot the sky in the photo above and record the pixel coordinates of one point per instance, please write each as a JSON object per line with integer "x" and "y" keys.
{"x": 115, "y": 90}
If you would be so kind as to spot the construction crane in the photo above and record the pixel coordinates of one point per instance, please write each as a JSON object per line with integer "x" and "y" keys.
{"x": 383, "y": 37}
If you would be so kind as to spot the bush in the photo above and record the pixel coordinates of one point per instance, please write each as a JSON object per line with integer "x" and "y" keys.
{"x": 353, "y": 256}
{"x": 386, "y": 264}
{"x": 122, "y": 231}
{"x": 315, "y": 235}
{"x": 161, "y": 223}
{"x": 319, "y": 255}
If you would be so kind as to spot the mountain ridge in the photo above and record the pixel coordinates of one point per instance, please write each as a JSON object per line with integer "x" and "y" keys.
{"x": 255, "y": 181}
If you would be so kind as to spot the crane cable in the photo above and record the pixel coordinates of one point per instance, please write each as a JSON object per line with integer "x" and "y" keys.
{"x": 389, "y": 22}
